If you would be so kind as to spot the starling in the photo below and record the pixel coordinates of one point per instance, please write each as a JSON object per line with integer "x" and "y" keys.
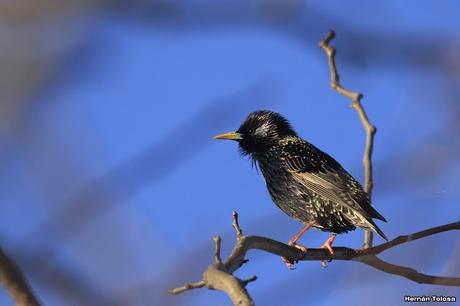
{"x": 304, "y": 182}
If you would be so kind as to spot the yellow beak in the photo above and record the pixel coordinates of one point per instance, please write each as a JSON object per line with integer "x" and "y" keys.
{"x": 230, "y": 136}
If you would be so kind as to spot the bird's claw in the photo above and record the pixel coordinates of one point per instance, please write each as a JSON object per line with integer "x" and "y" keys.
{"x": 298, "y": 246}
{"x": 327, "y": 246}
{"x": 289, "y": 264}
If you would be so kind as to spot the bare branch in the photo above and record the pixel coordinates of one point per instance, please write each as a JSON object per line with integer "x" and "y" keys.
{"x": 217, "y": 278}
{"x": 236, "y": 226}
{"x": 190, "y": 286}
{"x": 249, "y": 280}
{"x": 217, "y": 258}
{"x": 356, "y": 104}
{"x": 415, "y": 236}
{"x": 15, "y": 283}
{"x": 220, "y": 276}
{"x": 409, "y": 273}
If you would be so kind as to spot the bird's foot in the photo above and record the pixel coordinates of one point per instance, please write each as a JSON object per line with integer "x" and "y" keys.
{"x": 293, "y": 243}
{"x": 297, "y": 246}
{"x": 328, "y": 246}
{"x": 290, "y": 264}
{"x": 323, "y": 262}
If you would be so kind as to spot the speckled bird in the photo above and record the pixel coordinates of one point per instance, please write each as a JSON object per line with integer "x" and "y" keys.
{"x": 304, "y": 182}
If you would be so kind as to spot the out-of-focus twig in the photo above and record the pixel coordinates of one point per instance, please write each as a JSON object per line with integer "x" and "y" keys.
{"x": 15, "y": 283}
{"x": 368, "y": 126}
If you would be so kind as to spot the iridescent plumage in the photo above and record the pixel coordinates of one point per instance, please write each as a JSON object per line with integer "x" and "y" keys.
{"x": 303, "y": 181}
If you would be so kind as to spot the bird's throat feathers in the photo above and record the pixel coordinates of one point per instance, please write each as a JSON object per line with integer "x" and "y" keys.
{"x": 270, "y": 153}
{"x": 262, "y": 130}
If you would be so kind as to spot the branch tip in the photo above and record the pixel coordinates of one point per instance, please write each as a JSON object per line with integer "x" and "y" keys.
{"x": 236, "y": 225}
{"x": 217, "y": 258}
{"x": 248, "y": 280}
{"x": 187, "y": 287}
{"x": 325, "y": 41}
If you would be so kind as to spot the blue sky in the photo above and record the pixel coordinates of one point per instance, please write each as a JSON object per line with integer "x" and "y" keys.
{"x": 111, "y": 176}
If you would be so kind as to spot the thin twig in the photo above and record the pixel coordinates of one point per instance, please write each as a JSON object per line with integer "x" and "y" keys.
{"x": 415, "y": 236}
{"x": 356, "y": 104}
{"x": 236, "y": 226}
{"x": 217, "y": 258}
{"x": 409, "y": 273}
{"x": 190, "y": 286}
{"x": 249, "y": 280}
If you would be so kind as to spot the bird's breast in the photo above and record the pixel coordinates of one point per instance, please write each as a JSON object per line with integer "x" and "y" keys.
{"x": 286, "y": 192}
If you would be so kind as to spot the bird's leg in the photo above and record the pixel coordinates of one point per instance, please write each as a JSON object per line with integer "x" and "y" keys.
{"x": 328, "y": 245}
{"x": 293, "y": 243}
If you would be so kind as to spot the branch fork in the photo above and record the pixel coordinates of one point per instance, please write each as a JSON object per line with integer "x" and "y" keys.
{"x": 219, "y": 275}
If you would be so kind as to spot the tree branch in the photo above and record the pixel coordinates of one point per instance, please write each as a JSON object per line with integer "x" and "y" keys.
{"x": 219, "y": 276}
{"x": 356, "y": 104}
{"x": 15, "y": 283}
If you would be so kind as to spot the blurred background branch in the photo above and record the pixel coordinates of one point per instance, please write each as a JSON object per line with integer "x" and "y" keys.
{"x": 15, "y": 283}
{"x": 89, "y": 87}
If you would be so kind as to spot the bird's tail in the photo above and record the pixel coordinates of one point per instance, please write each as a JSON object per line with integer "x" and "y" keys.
{"x": 375, "y": 214}
{"x": 373, "y": 227}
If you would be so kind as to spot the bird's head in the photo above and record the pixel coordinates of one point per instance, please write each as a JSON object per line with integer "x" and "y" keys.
{"x": 260, "y": 130}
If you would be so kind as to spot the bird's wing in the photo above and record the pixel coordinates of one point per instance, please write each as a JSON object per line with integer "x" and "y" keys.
{"x": 323, "y": 175}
